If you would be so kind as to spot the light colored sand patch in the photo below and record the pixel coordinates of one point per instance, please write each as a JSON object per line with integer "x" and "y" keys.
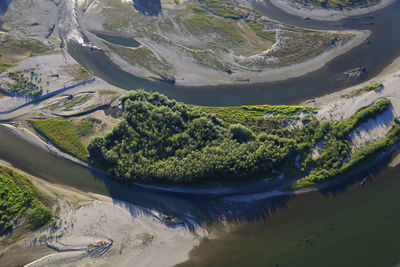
{"x": 325, "y": 14}
{"x": 138, "y": 238}
{"x": 372, "y": 130}
{"x": 317, "y": 150}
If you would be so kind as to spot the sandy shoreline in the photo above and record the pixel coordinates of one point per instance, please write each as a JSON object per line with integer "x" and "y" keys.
{"x": 86, "y": 218}
{"x": 193, "y": 75}
{"x": 326, "y": 14}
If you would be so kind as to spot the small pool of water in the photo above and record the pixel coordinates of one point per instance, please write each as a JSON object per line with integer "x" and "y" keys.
{"x": 118, "y": 40}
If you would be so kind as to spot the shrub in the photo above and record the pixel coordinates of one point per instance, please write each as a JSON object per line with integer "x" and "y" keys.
{"x": 38, "y": 216}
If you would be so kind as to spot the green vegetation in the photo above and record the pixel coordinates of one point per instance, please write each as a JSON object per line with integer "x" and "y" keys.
{"x": 201, "y": 22}
{"x": 338, "y": 4}
{"x": 12, "y": 46}
{"x": 226, "y": 9}
{"x": 375, "y": 87}
{"x": 209, "y": 59}
{"x": 259, "y": 30}
{"x": 39, "y": 216}
{"x": 4, "y": 66}
{"x": 83, "y": 70}
{"x": 63, "y": 134}
{"x": 142, "y": 56}
{"x": 86, "y": 126}
{"x": 23, "y": 86}
{"x": 336, "y": 156}
{"x": 162, "y": 141}
{"x": 263, "y": 118}
{"x": 107, "y": 92}
{"x": 77, "y": 101}
{"x": 18, "y": 196}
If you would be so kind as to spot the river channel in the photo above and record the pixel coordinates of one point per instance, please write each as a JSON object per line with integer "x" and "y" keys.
{"x": 383, "y": 48}
{"x": 346, "y": 225}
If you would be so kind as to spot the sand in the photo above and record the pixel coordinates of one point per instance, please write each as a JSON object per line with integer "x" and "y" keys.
{"x": 326, "y": 14}
{"x": 139, "y": 239}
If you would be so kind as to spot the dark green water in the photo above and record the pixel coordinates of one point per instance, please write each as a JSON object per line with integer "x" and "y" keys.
{"x": 357, "y": 227}
{"x": 383, "y": 48}
{"x": 118, "y": 40}
{"x": 348, "y": 226}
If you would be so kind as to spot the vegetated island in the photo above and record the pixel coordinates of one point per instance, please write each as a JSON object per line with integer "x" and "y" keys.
{"x": 161, "y": 141}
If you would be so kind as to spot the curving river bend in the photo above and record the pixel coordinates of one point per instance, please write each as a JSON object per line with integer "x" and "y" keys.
{"x": 383, "y": 48}
{"x": 345, "y": 208}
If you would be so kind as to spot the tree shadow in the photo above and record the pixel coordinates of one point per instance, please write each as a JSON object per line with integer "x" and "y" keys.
{"x": 149, "y": 7}
{"x": 360, "y": 175}
{"x": 4, "y": 4}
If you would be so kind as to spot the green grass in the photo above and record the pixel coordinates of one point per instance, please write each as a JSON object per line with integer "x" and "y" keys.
{"x": 63, "y": 134}
{"x": 22, "y": 86}
{"x": 226, "y": 9}
{"x": 209, "y": 59}
{"x": 76, "y": 101}
{"x": 259, "y": 30}
{"x": 142, "y": 56}
{"x": 337, "y": 146}
{"x": 375, "y": 87}
{"x": 200, "y": 23}
{"x": 4, "y": 66}
{"x": 339, "y": 4}
{"x": 20, "y": 47}
{"x": 261, "y": 118}
{"x": 18, "y": 196}
{"x": 107, "y": 92}
{"x": 86, "y": 126}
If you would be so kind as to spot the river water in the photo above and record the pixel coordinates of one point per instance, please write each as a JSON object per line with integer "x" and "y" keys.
{"x": 383, "y": 48}
{"x": 355, "y": 227}
{"x": 343, "y": 226}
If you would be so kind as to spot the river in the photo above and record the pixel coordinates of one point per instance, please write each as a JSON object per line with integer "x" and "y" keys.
{"x": 355, "y": 227}
{"x": 383, "y": 48}
{"x": 347, "y": 225}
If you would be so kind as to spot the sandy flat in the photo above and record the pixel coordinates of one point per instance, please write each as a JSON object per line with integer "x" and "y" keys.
{"x": 326, "y": 14}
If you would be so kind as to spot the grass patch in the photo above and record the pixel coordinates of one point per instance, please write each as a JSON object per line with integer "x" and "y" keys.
{"x": 107, "y": 92}
{"x": 76, "y": 101}
{"x": 226, "y": 9}
{"x": 12, "y": 50}
{"x": 337, "y": 146}
{"x": 262, "y": 118}
{"x": 375, "y": 87}
{"x": 23, "y": 86}
{"x": 142, "y": 56}
{"x": 86, "y": 126}
{"x": 63, "y": 134}
{"x": 4, "y": 66}
{"x": 200, "y": 22}
{"x": 338, "y": 4}
{"x": 18, "y": 197}
{"x": 259, "y": 30}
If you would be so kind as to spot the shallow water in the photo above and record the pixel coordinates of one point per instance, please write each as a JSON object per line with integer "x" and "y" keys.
{"x": 118, "y": 40}
{"x": 355, "y": 227}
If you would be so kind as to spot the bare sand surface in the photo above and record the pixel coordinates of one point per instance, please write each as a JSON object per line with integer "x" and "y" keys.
{"x": 314, "y": 13}
{"x": 138, "y": 238}
{"x": 61, "y": 77}
{"x": 336, "y": 107}
{"x": 189, "y": 74}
